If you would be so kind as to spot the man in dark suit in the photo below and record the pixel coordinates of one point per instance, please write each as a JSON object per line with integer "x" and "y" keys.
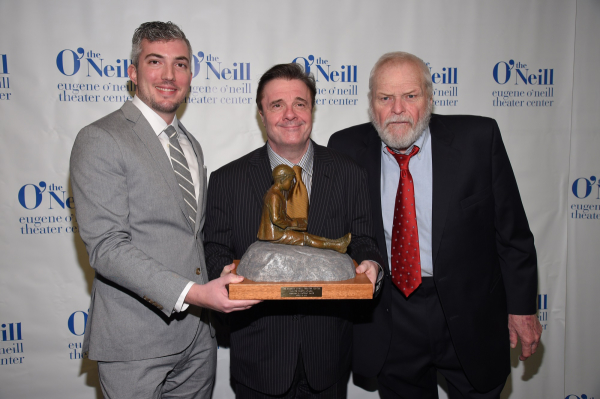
{"x": 447, "y": 209}
{"x": 139, "y": 183}
{"x": 289, "y": 348}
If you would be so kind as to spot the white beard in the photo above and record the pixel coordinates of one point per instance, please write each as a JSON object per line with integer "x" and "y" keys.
{"x": 396, "y": 141}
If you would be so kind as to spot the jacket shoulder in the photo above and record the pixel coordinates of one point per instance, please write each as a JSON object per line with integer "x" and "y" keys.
{"x": 352, "y": 135}
{"x": 458, "y": 122}
{"x": 237, "y": 166}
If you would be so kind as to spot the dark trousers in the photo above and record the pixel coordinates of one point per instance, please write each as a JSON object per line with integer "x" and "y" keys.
{"x": 300, "y": 388}
{"x": 421, "y": 345}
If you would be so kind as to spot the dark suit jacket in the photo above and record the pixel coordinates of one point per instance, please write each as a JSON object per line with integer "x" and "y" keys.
{"x": 484, "y": 259}
{"x": 266, "y": 340}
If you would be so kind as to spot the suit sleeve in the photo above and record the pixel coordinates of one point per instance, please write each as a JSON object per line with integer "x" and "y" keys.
{"x": 514, "y": 240}
{"x": 363, "y": 246}
{"x": 100, "y": 188}
{"x": 218, "y": 234}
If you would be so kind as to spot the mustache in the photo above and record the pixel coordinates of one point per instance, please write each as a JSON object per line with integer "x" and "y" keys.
{"x": 398, "y": 118}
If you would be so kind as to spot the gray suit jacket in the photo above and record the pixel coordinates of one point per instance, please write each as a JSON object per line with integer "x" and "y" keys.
{"x": 132, "y": 219}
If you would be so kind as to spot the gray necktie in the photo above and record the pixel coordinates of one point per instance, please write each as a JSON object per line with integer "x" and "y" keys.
{"x": 182, "y": 173}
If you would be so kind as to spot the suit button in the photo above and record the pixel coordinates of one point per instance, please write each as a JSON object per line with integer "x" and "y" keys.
{"x": 198, "y": 271}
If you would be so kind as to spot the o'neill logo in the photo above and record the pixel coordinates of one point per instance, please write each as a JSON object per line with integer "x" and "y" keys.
{"x": 444, "y": 96}
{"x": 11, "y": 344}
{"x": 529, "y": 87}
{"x": 46, "y": 196}
{"x": 225, "y": 83}
{"x": 589, "y": 189}
{"x": 583, "y": 396}
{"x": 31, "y": 196}
{"x": 503, "y": 71}
{"x": 335, "y": 82}
{"x": 76, "y": 325}
{"x": 69, "y": 63}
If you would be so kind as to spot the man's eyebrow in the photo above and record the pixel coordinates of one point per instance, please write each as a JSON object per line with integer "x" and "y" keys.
{"x": 275, "y": 102}
{"x": 301, "y": 99}
{"x": 153, "y": 55}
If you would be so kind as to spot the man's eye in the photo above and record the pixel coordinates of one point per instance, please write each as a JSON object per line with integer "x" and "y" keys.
{"x": 385, "y": 98}
{"x": 182, "y": 65}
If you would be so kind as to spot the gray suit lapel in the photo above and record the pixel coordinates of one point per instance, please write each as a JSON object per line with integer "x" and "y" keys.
{"x": 144, "y": 131}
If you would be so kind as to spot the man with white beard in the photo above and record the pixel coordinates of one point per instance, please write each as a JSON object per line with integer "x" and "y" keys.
{"x": 460, "y": 282}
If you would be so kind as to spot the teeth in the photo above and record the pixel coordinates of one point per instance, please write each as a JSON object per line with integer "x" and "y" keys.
{"x": 161, "y": 89}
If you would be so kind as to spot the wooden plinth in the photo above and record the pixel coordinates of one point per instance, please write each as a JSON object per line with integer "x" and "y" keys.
{"x": 358, "y": 287}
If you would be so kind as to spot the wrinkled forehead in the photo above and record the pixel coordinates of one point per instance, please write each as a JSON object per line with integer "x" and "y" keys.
{"x": 398, "y": 72}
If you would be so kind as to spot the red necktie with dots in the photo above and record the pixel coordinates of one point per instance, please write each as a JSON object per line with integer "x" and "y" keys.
{"x": 406, "y": 258}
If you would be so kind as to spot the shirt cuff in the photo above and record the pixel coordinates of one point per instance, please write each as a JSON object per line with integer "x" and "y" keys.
{"x": 380, "y": 275}
{"x": 179, "y": 305}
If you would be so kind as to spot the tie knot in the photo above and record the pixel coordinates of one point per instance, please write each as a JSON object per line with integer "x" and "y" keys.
{"x": 298, "y": 171}
{"x": 171, "y": 132}
{"x": 403, "y": 159}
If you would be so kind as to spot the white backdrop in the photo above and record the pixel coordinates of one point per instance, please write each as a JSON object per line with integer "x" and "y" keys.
{"x": 531, "y": 64}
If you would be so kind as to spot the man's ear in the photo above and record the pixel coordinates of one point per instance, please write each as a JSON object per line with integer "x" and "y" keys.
{"x": 132, "y": 72}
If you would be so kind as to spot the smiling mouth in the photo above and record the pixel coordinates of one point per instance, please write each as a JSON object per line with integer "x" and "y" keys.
{"x": 166, "y": 89}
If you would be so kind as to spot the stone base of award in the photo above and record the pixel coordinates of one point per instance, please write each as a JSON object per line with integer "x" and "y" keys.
{"x": 358, "y": 287}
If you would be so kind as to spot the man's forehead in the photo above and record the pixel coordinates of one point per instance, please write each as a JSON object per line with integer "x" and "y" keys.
{"x": 280, "y": 88}
{"x": 405, "y": 74}
{"x": 153, "y": 46}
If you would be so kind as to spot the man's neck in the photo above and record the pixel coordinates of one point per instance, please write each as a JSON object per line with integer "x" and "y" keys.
{"x": 167, "y": 117}
{"x": 293, "y": 154}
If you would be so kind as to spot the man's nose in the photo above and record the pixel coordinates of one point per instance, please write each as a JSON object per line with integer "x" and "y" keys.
{"x": 168, "y": 72}
{"x": 398, "y": 106}
{"x": 290, "y": 113}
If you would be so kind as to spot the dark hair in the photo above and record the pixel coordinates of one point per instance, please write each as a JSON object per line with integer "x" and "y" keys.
{"x": 156, "y": 31}
{"x": 288, "y": 72}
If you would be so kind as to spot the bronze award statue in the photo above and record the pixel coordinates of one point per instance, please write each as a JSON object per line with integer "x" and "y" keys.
{"x": 278, "y": 227}
{"x": 303, "y": 257}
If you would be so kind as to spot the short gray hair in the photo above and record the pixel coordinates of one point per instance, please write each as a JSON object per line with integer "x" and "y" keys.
{"x": 156, "y": 31}
{"x": 399, "y": 58}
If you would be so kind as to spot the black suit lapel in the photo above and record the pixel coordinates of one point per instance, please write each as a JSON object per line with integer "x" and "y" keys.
{"x": 372, "y": 163}
{"x": 259, "y": 174}
{"x": 446, "y": 162}
{"x": 320, "y": 191}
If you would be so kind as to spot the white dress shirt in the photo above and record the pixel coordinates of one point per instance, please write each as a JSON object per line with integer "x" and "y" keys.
{"x": 420, "y": 167}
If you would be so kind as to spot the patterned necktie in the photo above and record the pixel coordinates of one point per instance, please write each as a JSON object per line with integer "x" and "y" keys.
{"x": 406, "y": 258}
{"x": 297, "y": 203}
{"x": 182, "y": 173}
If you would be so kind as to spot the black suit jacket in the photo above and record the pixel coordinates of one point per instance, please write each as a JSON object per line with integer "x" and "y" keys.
{"x": 266, "y": 339}
{"x": 484, "y": 259}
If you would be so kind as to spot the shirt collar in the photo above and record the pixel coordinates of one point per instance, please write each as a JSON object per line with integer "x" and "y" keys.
{"x": 421, "y": 142}
{"x": 306, "y": 162}
{"x": 157, "y": 123}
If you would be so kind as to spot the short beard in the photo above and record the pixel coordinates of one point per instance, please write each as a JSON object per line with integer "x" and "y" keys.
{"x": 157, "y": 107}
{"x": 401, "y": 142}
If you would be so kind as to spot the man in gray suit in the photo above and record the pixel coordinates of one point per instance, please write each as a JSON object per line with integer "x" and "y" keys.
{"x": 139, "y": 183}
